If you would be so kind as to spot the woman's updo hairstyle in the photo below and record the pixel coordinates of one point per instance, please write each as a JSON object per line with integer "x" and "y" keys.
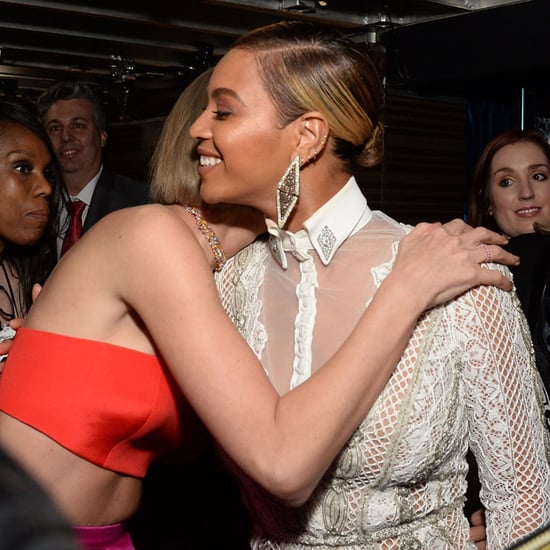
{"x": 307, "y": 67}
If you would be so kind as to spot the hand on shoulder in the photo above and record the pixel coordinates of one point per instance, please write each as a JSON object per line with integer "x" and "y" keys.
{"x": 437, "y": 262}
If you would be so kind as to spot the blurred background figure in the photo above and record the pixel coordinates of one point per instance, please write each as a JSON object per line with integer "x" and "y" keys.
{"x": 75, "y": 121}
{"x": 29, "y": 519}
{"x": 510, "y": 193}
{"x": 30, "y": 187}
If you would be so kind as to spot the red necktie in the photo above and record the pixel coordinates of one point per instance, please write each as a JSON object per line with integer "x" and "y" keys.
{"x": 75, "y": 225}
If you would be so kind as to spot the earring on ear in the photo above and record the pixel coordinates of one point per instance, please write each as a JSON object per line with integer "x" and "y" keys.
{"x": 321, "y": 147}
{"x": 288, "y": 191}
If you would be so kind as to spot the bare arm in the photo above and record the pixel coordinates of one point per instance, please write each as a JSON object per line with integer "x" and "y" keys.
{"x": 287, "y": 443}
{"x": 149, "y": 259}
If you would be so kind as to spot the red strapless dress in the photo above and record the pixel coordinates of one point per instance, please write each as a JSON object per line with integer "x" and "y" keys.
{"x": 113, "y": 406}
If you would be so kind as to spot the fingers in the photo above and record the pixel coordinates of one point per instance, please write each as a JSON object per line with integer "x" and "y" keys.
{"x": 487, "y": 253}
{"x": 477, "y": 531}
{"x": 440, "y": 263}
{"x": 456, "y": 227}
{"x": 489, "y": 242}
{"x": 486, "y": 244}
{"x": 492, "y": 277}
{"x": 477, "y": 534}
{"x": 480, "y": 235}
{"x": 16, "y": 323}
{"x": 478, "y": 517}
{"x": 474, "y": 235}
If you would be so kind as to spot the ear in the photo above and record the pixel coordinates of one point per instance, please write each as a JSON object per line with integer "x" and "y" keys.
{"x": 103, "y": 136}
{"x": 314, "y": 130}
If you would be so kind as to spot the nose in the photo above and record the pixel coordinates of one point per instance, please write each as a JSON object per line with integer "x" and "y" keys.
{"x": 66, "y": 134}
{"x": 198, "y": 129}
{"x": 526, "y": 190}
{"x": 42, "y": 186}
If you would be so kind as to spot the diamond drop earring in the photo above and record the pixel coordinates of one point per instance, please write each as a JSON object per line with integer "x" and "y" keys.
{"x": 288, "y": 191}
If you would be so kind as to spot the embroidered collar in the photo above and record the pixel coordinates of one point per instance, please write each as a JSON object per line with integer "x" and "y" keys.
{"x": 326, "y": 230}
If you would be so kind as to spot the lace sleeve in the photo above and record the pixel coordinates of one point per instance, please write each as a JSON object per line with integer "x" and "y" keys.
{"x": 508, "y": 434}
{"x": 238, "y": 287}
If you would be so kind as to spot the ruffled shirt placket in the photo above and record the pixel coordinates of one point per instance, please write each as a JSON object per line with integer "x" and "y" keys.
{"x": 323, "y": 233}
{"x": 299, "y": 245}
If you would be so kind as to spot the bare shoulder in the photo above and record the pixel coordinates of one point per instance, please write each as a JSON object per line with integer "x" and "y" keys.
{"x": 132, "y": 244}
{"x": 142, "y": 229}
{"x": 132, "y": 259}
{"x": 152, "y": 238}
{"x": 139, "y": 219}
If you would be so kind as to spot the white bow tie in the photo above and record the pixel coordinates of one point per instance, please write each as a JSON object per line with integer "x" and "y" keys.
{"x": 281, "y": 241}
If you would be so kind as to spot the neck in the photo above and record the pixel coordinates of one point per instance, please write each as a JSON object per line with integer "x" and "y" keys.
{"x": 235, "y": 227}
{"x": 319, "y": 182}
{"x": 76, "y": 181}
{"x": 74, "y": 186}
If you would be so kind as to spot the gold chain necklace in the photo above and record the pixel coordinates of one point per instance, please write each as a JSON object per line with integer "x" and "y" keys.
{"x": 211, "y": 237}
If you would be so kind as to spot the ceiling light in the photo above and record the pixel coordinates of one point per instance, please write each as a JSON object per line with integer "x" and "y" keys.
{"x": 298, "y": 7}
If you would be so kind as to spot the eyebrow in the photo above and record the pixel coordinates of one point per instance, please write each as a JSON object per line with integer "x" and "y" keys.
{"x": 19, "y": 152}
{"x": 73, "y": 119}
{"x": 217, "y": 92}
{"x": 530, "y": 167}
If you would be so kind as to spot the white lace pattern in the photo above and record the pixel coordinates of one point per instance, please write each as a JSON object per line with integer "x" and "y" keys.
{"x": 467, "y": 378}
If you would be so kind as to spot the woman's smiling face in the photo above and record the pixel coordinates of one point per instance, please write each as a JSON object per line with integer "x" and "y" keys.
{"x": 519, "y": 188}
{"x": 244, "y": 151}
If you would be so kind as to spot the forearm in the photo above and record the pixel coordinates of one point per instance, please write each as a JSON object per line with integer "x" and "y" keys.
{"x": 342, "y": 396}
{"x": 286, "y": 444}
{"x": 348, "y": 385}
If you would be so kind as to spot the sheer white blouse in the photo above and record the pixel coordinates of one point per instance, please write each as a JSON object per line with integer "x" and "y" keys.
{"x": 467, "y": 378}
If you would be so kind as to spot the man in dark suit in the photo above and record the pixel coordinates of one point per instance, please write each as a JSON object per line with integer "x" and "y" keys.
{"x": 74, "y": 118}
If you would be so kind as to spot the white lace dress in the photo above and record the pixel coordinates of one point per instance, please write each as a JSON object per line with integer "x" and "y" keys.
{"x": 467, "y": 378}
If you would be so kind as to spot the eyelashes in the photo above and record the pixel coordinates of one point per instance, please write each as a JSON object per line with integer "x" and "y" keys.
{"x": 221, "y": 115}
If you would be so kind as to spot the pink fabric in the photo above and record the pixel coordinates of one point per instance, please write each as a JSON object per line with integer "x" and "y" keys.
{"x": 107, "y": 537}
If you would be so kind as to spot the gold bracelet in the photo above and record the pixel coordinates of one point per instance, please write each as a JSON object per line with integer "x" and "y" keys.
{"x": 211, "y": 237}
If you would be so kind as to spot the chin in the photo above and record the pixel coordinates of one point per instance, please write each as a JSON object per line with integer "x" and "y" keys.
{"x": 211, "y": 198}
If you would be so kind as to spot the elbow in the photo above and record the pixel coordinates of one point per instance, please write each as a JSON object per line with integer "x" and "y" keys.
{"x": 290, "y": 494}
{"x": 290, "y": 487}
